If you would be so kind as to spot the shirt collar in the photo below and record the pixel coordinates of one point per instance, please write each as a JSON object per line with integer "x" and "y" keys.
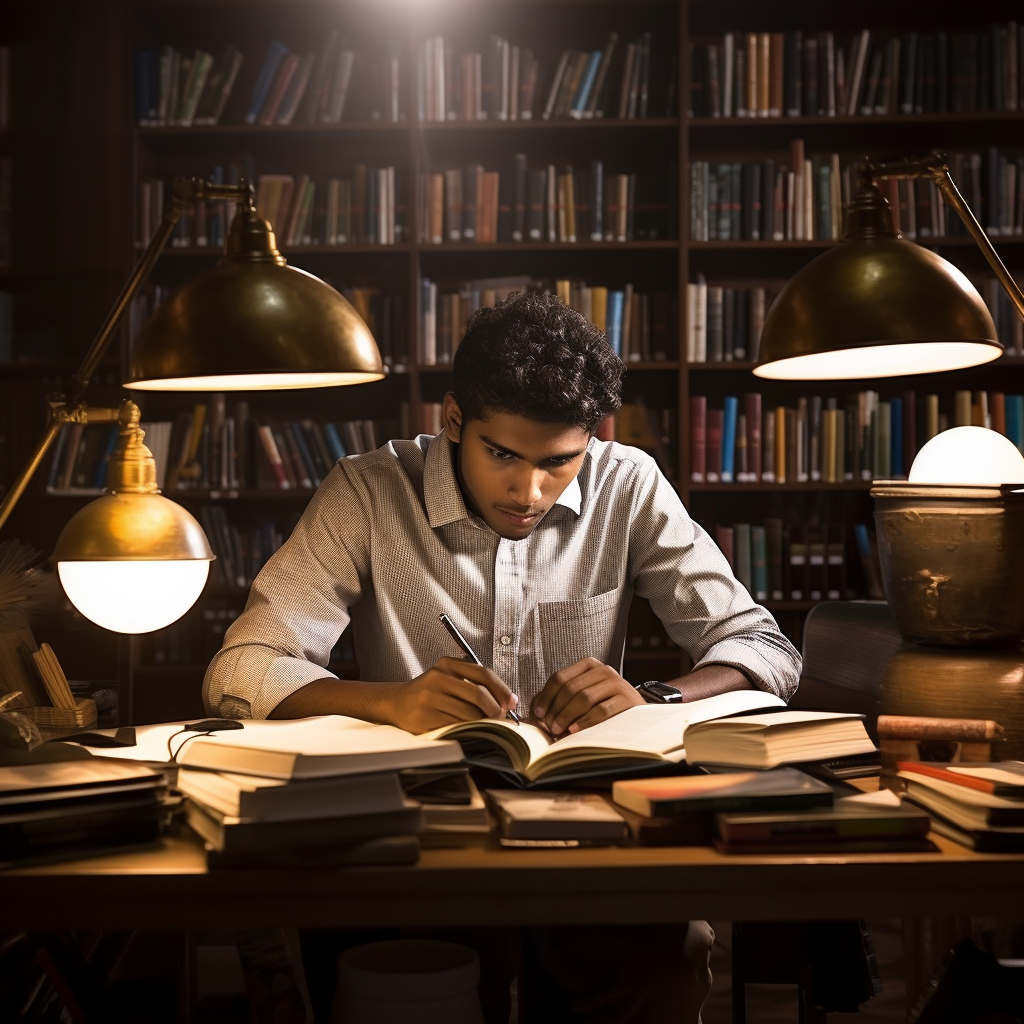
{"x": 443, "y": 497}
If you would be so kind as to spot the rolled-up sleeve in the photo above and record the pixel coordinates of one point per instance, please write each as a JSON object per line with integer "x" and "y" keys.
{"x": 677, "y": 567}
{"x": 298, "y": 606}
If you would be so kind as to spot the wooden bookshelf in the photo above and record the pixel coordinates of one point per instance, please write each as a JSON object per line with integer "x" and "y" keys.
{"x": 669, "y": 137}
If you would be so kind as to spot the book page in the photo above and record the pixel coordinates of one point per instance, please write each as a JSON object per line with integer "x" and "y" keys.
{"x": 658, "y": 728}
{"x": 523, "y": 742}
{"x": 775, "y": 719}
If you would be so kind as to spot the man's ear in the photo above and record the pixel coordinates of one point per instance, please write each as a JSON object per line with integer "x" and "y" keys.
{"x": 451, "y": 417}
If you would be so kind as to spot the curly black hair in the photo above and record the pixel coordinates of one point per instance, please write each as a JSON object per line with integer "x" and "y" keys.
{"x": 534, "y": 356}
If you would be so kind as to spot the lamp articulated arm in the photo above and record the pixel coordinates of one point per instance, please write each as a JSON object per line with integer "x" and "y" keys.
{"x": 67, "y": 405}
{"x": 935, "y": 167}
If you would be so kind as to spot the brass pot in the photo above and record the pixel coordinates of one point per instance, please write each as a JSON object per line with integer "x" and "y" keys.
{"x": 952, "y": 560}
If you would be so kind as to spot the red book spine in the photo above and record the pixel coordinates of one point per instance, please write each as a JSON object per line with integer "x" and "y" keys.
{"x": 752, "y": 408}
{"x": 713, "y": 430}
{"x": 698, "y": 438}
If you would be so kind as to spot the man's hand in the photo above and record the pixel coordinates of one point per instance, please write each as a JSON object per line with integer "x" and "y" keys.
{"x": 451, "y": 691}
{"x": 581, "y": 695}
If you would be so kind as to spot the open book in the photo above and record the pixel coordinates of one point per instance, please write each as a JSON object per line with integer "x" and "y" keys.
{"x": 648, "y": 735}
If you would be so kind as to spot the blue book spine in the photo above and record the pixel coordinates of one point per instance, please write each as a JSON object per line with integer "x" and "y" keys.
{"x": 583, "y": 93}
{"x": 277, "y": 52}
{"x": 729, "y": 410}
{"x": 304, "y": 452}
{"x": 614, "y": 321}
{"x": 1015, "y": 420}
{"x": 896, "y": 437}
{"x": 334, "y": 441}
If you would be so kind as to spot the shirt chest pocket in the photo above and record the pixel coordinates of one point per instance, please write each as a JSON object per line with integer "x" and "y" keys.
{"x": 573, "y": 630}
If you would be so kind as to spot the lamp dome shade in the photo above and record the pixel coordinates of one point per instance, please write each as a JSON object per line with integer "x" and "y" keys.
{"x": 875, "y": 307}
{"x": 133, "y": 562}
{"x": 248, "y": 325}
{"x": 968, "y": 455}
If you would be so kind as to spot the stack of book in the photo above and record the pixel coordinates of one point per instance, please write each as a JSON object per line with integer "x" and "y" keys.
{"x": 978, "y": 804}
{"x": 779, "y": 811}
{"x": 315, "y": 791}
{"x": 67, "y": 809}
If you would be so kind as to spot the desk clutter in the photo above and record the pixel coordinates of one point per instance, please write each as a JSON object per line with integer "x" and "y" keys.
{"x": 333, "y": 791}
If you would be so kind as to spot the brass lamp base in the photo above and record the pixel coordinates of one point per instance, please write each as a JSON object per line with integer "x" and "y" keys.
{"x": 952, "y": 560}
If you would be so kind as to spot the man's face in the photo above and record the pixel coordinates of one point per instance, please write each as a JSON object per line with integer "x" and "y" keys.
{"x": 513, "y": 469}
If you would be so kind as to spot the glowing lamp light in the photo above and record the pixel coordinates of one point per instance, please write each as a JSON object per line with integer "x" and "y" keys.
{"x": 133, "y": 597}
{"x": 968, "y": 455}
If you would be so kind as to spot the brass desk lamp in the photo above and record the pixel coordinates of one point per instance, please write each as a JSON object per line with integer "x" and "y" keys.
{"x": 878, "y": 305}
{"x": 951, "y": 547}
{"x": 134, "y": 561}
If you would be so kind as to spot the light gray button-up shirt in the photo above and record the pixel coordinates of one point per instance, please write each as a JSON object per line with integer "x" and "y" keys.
{"x": 388, "y": 543}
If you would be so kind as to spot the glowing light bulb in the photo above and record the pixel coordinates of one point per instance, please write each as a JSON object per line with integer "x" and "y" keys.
{"x": 134, "y": 596}
{"x": 968, "y": 455}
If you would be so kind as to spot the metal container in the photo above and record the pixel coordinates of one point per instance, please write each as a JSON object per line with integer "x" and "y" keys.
{"x": 952, "y": 560}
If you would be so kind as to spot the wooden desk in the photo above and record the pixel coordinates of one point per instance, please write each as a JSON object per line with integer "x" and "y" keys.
{"x": 171, "y": 888}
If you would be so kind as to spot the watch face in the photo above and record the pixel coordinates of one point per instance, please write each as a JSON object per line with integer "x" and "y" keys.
{"x": 655, "y": 691}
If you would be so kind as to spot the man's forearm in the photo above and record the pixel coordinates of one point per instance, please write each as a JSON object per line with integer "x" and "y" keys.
{"x": 328, "y": 696}
{"x": 711, "y": 680}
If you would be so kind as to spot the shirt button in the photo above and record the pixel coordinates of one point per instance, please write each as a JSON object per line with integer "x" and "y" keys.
{"x": 505, "y": 641}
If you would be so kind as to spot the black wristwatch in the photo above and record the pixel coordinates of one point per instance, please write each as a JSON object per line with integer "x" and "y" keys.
{"x": 654, "y": 691}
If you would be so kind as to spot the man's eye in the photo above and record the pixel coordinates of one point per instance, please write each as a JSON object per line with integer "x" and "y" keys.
{"x": 502, "y": 456}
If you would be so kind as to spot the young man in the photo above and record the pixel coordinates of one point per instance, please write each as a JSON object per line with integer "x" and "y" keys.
{"x": 534, "y": 537}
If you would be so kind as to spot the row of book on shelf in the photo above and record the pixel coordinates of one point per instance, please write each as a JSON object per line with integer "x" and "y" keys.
{"x": 210, "y": 448}
{"x": 361, "y": 208}
{"x": 500, "y": 82}
{"x": 383, "y": 313}
{"x": 796, "y": 73}
{"x": 804, "y": 199}
{"x": 548, "y": 203}
{"x": 315, "y": 87}
{"x": 831, "y": 440}
{"x": 724, "y": 324}
{"x": 776, "y": 562}
{"x": 640, "y": 326}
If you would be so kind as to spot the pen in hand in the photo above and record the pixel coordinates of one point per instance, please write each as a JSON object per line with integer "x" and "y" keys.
{"x": 464, "y": 644}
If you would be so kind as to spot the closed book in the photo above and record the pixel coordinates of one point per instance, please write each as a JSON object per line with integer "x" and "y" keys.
{"x": 752, "y": 411}
{"x": 314, "y": 748}
{"x": 742, "y": 561}
{"x": 965, "y": 807}
{"x": 276, "y": 54}
{"x": 695, "y": 829}
{"x": 232, "y": 835}
{"x": 773, "y": 738}
{"x": 729, "y": 412}
{"x": 773, "y": 542}
{"x": 713, "y": 433}
{"x": 861, "y": 817}
{"x": 759, "y": 563}
{"x": 997, "y": 778}
{"x": 776, "y": 790}
{"x": 546, "y": 815}
{"x": 698, "y": 440}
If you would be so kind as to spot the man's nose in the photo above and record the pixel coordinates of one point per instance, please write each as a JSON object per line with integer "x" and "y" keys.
{"x": 526, "y": 489}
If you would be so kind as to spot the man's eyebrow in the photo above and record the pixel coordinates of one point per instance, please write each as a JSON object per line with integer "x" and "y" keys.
{"x": 508, "y": 451}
